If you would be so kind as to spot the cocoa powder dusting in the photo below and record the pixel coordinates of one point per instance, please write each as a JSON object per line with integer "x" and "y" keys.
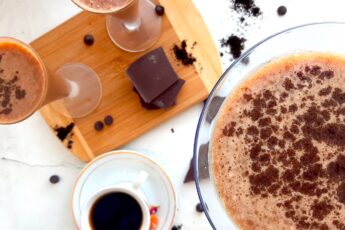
{"x": 284, "y": 165}
{"x": 182, "y": 55}
{"x": 10, "y": 92}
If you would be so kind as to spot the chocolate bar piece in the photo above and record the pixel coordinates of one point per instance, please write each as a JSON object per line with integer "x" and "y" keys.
{"x": 203, "y": 168}
{"x": 152, "y": 74}
{"x": 144, "y": 104}
{"x": 167, "y": 98}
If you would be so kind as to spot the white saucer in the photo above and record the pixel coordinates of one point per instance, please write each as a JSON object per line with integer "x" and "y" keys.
{"x": 124, "y": 166}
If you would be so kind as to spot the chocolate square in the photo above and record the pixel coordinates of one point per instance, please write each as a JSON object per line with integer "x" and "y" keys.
{"x": 152, "y": 74}
{"x": 144, "y": 104}
{"x": 168, "y": 98}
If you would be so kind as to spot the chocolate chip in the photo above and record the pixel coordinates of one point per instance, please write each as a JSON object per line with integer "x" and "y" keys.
{"x": 281, "y": 10}
{"x": 70, "y": 144}
{"x": 54, "y": 179}
{"x": 108, "y": 120}
{"x": 89, "y": 39}
{"x": 159, "y": 10}
{"x": 98, "y": 125}
{"x": 172, "y": 130}
{"x": 177, "y": 227}
{"x": 199, "y": 208}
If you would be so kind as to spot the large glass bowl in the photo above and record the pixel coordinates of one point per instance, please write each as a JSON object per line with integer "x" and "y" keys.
{"x": 316, "y": 37}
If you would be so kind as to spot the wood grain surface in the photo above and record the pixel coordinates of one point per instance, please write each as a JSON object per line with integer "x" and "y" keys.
{"x": 64, "y": 44}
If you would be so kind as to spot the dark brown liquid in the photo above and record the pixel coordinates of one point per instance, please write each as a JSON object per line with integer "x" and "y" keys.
{"x": 22, "y": 82}
{"x": 116, "y": 211}
{"x": 278, "y": 146}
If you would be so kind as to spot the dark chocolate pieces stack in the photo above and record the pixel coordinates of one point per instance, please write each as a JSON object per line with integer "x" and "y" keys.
{"x": 154, "y": 80}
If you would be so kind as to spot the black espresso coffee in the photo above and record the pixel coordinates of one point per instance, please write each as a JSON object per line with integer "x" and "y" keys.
{"x": 115, "y": 211}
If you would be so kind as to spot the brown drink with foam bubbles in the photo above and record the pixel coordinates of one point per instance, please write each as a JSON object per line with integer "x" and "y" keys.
{"x": 103, "y": 5}
{"x": 278, "y": 148}
{"x": 23, "y": 82}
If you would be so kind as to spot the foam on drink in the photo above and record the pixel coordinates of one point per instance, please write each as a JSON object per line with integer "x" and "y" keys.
{"x": 22, "y": 81}
{"x": 278, "y": 146}
{"x": 103, "y": 5}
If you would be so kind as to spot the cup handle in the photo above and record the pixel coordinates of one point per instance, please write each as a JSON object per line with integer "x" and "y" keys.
{"x": 141, "y": 178}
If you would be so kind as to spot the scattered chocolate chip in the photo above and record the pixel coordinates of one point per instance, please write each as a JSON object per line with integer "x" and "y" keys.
{"x": 159, "y": 10}
{"x": 199, "y": 208}
{"x": 98, "y": 125}
{"x": 172, "y": 130}
{"x": 89, "y": 39}
{"x": 54, "y": 179}
{"x": 70, "y": 144}
{"x": 281, "y": 10}
{"x": 108, "y": 120}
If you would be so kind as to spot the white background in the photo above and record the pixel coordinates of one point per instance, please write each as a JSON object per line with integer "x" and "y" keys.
{"x": 30, "y": 154}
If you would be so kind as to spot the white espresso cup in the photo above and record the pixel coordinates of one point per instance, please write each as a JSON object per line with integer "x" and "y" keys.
{"x": 131, "y": 189}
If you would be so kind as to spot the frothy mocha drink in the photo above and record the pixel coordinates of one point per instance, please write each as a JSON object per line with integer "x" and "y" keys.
{"x": 22, "y": 81}
{"x": 278, "y": 149}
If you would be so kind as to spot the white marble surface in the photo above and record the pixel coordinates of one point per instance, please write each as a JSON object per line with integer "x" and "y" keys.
{"x": 30, "y": 154}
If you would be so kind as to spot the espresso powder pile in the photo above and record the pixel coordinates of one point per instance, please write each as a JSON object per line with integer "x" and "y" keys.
{"x": 246, "y": 7}
{"x": 235, "y": 45}
{"x": 62, "y": 132}
{"x": 65, "y": 133}
{"x": 182, "y": 55}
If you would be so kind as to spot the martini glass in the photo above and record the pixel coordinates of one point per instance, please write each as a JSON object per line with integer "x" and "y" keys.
{"x": 132, "y": 25}
{"x": 75, "y": 86}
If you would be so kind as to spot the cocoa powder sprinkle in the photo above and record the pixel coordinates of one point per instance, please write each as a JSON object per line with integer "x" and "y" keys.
{"x": 282, "y": 164}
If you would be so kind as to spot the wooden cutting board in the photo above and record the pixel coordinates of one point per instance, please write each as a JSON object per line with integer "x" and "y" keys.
{"x": 65, "y": 44}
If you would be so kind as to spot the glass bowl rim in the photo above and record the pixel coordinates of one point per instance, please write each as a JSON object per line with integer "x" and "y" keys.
{"x": 216, "y": 86}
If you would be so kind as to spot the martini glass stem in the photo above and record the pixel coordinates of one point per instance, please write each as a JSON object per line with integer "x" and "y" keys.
{"x": 130, "y": 16}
